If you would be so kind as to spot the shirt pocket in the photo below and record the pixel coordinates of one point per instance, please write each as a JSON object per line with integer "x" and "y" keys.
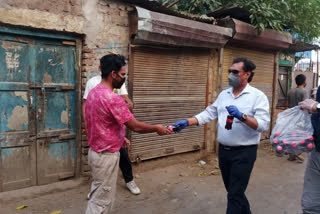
{"x": 247, "y": 109}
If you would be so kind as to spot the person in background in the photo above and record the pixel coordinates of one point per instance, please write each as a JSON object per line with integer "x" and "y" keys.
{"x": 310, "y": 201}
{"x": 295, "y": 96}
{"x": 106, "y": 116}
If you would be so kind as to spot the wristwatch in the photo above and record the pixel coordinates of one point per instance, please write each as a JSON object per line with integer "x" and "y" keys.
{"x": 318, "y": 107}
{"x": 243, "y": 117}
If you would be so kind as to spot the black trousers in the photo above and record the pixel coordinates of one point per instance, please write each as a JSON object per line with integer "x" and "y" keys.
{"x": 236, "y": 164}
{"x": 125, "y": 165}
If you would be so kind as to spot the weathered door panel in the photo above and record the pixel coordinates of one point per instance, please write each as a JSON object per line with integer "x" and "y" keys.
{"x": 56, "y": 159}
{"x": 17, "y": 150}
{"x": 55, "y": 107}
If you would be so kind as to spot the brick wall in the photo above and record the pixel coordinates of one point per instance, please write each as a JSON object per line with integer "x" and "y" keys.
{"x": 102, "y": 23}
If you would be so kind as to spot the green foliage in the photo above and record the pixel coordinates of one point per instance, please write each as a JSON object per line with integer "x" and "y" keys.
{"x": 300, "y": 17}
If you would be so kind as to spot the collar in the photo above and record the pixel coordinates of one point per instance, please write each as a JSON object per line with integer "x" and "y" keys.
{"x": 246, "y": 90}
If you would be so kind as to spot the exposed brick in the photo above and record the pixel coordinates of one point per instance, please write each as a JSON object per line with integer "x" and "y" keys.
{"x": 113, "y": 13}
{"x": 104, "y": 3}
{"x": 84, "y": 137}
{"x": 84, "y": 144}
{"x": 76, "y": 11}
{"x": 87, "y": 50}
{"x": 75, "y": 2}
{"x": 67, "y": 8}
{"x": 129, "y": 8}
{"x": 122, "y": 7}
{"x": 44, "y": 7}
{"x": 112, "y": 5}
{"x": 89, "y": 56}
{"x": 124, "y": 21}
{"x": 87, "y": 62}
{"x": 86, "y": 168}
{"x": 85, "y": 159}
{"x": 85, "y": 151}
{"x": 86, "y": 174}
{"x": 35, "y": 4}
{"x": 124, "y": 13}
{"x": 103, "y": 9}
{"x": 18, "y": 3}
{"x": 86, "y": 68}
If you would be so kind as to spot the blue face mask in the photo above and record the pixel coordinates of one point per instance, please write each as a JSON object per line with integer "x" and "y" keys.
{"x": 234, "y": 80}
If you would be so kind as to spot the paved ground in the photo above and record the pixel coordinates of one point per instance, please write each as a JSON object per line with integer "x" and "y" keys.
{"x": 174, "y": 185}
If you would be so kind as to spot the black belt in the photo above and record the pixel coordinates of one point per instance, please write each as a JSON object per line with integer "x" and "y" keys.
{"x": 236, "y": 147}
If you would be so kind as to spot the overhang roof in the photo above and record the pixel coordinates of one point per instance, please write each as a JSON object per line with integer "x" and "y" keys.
{"x": 299, "y": 46}
{"x": 246, "y": 35}
{"x": 148, "y": 27}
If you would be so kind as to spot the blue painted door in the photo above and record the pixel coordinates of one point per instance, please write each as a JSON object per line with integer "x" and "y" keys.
{"x": 37, "y": 121}
{"x": 55, "y": 111}
{"x": 17, "y": 127}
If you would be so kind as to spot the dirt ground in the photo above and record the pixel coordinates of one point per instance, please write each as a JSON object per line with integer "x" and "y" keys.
{"x": 174, "y": 185}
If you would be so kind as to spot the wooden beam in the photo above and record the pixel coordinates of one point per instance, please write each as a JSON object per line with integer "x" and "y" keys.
{"x": 173, "y": 3}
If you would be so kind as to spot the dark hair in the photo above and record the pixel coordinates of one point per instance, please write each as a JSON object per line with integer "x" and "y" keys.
{"x": 300, "y": 79}
{"x": 111, "y": 62}
{"x": 248, "y": 66}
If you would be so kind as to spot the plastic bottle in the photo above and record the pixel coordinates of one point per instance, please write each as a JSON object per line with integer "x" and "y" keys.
{"x": 229, "y": 122}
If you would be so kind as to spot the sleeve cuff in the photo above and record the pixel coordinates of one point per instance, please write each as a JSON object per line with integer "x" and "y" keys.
{"x": 262, "y": 125}
{"x": 200, "y": 119}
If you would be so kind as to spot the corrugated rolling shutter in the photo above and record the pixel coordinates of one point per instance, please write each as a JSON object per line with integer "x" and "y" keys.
{"x": 167, "y": 85}
{"x": 263, "y": 78}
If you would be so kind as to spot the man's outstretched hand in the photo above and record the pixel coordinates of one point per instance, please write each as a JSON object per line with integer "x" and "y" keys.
{"x": 179, "y": 125}
{"x": 162, "y": 130}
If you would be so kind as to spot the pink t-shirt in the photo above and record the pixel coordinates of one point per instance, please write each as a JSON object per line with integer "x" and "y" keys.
{"x": 106, "y": 113}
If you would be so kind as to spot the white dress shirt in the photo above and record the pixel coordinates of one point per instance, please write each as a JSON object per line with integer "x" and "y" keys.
{"x": 94, "y": 81}
{"x": 251, "y": 102}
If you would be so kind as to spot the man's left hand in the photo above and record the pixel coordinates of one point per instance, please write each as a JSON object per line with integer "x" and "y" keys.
{"x": 234, "y": 111}
{"x": 126, "y": 143}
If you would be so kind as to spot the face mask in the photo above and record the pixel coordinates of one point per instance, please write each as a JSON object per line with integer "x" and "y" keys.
{"x": 234, "y": 80}
{"x": 118, "y": 84}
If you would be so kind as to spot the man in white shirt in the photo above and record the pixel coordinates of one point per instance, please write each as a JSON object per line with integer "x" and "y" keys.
{"x": 125, "y": 162}
{"x": 237, "y": 146}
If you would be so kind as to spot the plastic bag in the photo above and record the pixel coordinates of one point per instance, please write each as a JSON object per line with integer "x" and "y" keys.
{"x": 293, "y": 132}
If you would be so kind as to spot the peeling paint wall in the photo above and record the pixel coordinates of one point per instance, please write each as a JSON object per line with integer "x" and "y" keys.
{"x": 64, "y": 117}
{"x": 103, "y": 24}
{"x": 18, "y": 118}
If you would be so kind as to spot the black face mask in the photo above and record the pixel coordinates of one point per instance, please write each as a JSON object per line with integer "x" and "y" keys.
{"x": 118, "y": 84}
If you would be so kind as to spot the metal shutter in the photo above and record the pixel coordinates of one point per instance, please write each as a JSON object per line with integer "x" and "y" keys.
{"x": 167, "y": 85}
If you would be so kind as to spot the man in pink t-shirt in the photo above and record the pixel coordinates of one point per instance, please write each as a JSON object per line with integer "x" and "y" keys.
{"x": 106, "y": 116}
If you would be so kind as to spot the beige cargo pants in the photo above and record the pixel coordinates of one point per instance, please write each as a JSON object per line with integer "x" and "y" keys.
{"x": 104, "y": 170}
